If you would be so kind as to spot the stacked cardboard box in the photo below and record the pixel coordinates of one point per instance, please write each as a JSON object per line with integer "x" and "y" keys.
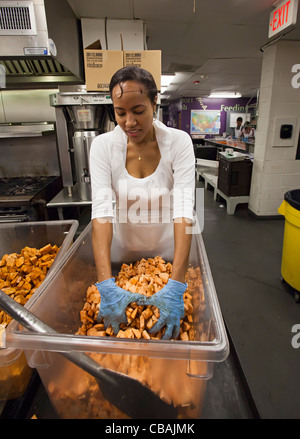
{"x": 100, "y": 65}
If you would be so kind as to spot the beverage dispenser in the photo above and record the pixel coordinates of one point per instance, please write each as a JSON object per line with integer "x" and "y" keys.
{"x": 87, "y": 123}
{"x": 80, "y": 117}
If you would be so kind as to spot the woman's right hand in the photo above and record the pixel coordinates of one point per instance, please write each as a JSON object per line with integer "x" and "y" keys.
{"x": 114, "y": 301}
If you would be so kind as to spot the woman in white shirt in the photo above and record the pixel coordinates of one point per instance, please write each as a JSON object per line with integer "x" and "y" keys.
{"x": 149, "y": 169}
{"x": 239, "y": 127}
{"x": 248, "y": 131}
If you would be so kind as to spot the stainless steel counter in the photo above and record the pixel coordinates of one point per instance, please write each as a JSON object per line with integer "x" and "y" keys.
{"x": 67, "y": 197}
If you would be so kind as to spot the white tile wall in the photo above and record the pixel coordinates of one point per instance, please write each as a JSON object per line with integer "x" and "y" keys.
{"x": 291, "y": 180}
{"x": 271, "y": 180}
{"x": 275, "y": 153}
{"x": 286, "y": 94}
{"x": 288, "y": 108}
{"x": 258, "y": 166}
{"x": 282, "y": 166}
{"x": 263, "y": 114}
{"x": 259, "y": 152}
{"x": 261, "y": 135}
{"x": 265, "y": 94}
{"x": 254, "y": 204}
{"x": 275, "y": 170}
{"x": 290, "y": 153}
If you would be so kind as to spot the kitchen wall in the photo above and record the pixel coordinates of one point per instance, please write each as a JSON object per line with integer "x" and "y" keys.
{"x": 276, "y": 169}
{"x": 178, "y": 114}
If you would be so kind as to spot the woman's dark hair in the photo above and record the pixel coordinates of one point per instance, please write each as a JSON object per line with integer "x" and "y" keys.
{"x": 137, "y": 74}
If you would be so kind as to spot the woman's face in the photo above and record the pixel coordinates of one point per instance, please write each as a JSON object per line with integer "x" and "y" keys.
{"x": 133, "y": 111}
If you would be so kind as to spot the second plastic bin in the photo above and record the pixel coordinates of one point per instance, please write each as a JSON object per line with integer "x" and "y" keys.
{"x": 14, "y": 370}
{"x": 177, "y": 369}
{"x": 290, "y": 264}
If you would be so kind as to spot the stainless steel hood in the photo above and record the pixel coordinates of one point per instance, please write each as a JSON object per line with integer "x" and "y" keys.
{"x": 40, "y": 44}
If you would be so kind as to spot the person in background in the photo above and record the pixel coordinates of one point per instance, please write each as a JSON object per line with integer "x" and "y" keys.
{"x": 253, "y": 124}
{"x": 248, "y": 131}
{"x": 237, "y": 132}
{"x": 143, "y": 156}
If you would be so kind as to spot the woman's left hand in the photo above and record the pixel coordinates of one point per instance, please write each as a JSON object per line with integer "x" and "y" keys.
{"x": 169, "y": 300}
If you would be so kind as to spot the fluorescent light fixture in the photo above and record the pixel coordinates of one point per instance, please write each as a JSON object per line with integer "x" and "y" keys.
{"x": 225, "y": 94}
{"x": 166, "y": 80}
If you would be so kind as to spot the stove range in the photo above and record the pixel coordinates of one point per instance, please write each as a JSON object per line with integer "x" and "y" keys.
{"x": 26, "y": 187}
{"x": 23, "y": 188}
{"x": 27, "y": 197}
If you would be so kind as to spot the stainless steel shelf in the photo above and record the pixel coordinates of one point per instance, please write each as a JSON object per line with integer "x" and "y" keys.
{"x": 25, "y": 130}
{"x": 68, "y": 198}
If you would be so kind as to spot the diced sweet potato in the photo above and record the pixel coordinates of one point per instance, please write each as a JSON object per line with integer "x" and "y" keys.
{"x": 21, "y": 274}
{"x": 147, "y": 277}
{"x": 46, "y": 249}
{"x": 145, "y": 334}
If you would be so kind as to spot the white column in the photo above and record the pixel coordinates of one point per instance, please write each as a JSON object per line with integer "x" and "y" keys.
{"x": 275, "y": 170}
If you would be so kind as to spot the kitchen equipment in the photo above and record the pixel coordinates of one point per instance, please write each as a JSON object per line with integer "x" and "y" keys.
{"x": 234, "y": 176}
{"x": 82, "y": 141}
{"x": 14, "y": 370}
{"x": 25, "y": 198}
{"x": 129, "y": 395}
{"x": 178, "y": 368}
{"x": 30, "y": 170}
{"x": 80, "y": 117}
{"x": 40, "y": 43}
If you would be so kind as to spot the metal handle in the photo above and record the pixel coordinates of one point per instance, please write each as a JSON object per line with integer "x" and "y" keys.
{"x": 22, "y": 315}
{"x": 31, "y": 322}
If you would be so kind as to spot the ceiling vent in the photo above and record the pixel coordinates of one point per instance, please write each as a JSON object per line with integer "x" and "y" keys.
{"x": 40, "y": 44}
{"x": 33, "y": 67}
{"x": 17, "y": 18}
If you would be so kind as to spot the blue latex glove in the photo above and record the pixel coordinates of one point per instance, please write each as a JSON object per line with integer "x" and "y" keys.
{"x": 113, "y": 303}
{"x": 169, "y": 300}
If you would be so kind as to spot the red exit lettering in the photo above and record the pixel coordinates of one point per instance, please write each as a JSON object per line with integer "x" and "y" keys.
{"x": 280, "y": 16}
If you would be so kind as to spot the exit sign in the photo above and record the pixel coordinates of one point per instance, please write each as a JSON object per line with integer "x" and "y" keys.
{"x": 283, "y": 16}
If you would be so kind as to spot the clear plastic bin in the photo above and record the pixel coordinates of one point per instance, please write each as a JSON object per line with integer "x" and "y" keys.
{"x": 14, "y": 370}
{"x": 178, "y": 370}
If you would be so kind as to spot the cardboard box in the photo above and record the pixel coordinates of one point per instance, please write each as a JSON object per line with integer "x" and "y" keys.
{"x": 147, "y": 59}
{"x": 100, "y": 65}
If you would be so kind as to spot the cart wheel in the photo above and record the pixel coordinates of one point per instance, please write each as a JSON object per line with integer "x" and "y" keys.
{"x": 297, "y": 296}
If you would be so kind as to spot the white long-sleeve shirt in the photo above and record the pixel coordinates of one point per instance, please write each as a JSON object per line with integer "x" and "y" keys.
{"x": 174, "y": 174}
{"x": 145, "y": 207}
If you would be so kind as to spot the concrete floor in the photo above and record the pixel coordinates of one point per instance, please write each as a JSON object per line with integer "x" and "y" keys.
{"x": 258, "y": 308}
